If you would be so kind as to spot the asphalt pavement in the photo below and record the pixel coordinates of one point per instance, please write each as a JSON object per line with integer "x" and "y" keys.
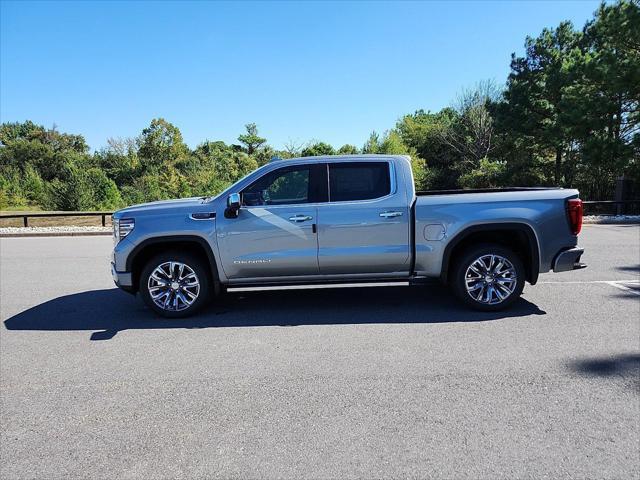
{"x": 370, "y": 382}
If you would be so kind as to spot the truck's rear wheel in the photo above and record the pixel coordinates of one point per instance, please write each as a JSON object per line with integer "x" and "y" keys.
{"x": 488, "y": 277}
{"x": 174, "y": 284}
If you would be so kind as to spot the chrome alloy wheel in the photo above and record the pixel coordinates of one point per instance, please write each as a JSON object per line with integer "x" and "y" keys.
{"x": 173, "y": 286}
{"x": 490, "y": 279}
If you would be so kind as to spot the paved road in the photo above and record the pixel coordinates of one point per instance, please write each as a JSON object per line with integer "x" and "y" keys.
{"x": 366, "y": 382}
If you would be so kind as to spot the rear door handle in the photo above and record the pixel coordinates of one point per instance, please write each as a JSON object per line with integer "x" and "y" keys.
{"x": 391, "y": 214}
{"x": 300, "y": 218}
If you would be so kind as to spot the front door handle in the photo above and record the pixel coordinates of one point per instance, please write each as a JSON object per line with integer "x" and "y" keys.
{"x": 300, "y": 218}
{"x": 391, "y": 214}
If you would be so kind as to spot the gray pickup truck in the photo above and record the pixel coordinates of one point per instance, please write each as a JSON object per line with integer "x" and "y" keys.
{"x": 317, "y": 220}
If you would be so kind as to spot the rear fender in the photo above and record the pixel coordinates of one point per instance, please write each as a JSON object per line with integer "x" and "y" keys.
{"x": 533, "y": 267}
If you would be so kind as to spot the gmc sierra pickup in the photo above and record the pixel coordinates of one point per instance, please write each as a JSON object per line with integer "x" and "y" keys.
{"x": 344, "y": 219}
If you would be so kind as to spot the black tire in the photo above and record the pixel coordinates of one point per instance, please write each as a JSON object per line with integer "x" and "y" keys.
{"x": 458, "y": 278}
{"x": 199, "y": 268}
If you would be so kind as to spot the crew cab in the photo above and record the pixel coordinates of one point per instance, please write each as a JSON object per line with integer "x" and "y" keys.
{"x": 357, "y": 218}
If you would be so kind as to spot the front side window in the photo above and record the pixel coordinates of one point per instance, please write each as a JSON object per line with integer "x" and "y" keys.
{"x": 358, "y": 181}
{"x": 285, "y": 186}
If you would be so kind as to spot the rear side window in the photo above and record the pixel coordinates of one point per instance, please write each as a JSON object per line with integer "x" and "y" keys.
{"x": 358, "y": 181}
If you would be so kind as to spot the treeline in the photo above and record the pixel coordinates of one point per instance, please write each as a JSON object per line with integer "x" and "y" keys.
{"x": 568, "y": 115}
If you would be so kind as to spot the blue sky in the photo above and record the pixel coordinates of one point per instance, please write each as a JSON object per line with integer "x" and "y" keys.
{"x": 301, "y": 71}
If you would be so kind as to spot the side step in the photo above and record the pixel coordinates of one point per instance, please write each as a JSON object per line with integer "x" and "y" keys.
{"x": 333, "y": 284}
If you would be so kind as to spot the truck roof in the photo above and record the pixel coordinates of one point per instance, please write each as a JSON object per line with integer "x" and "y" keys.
{"x": 352, "y": 158}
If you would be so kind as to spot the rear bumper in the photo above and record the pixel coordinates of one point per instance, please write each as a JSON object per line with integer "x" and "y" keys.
{"x": 122, "y": 280}
{"x": 568, "y": 260}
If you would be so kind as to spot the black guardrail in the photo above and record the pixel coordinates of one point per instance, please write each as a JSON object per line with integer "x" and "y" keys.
{"x": 611, "y": 207}
{"x": 26, "y": 216}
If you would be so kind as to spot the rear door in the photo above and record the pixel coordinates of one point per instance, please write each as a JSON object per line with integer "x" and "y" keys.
{"x": 274, "y": 233}
{"x": 364, "y": 228}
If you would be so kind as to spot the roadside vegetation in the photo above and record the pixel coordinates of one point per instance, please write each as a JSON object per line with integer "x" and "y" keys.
{"x": 568, "y": 115}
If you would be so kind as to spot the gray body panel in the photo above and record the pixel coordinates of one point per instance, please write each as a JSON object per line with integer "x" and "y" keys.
{"x": 366, "y": 236}
{"x": 541, "y": 210}
{"x": 352, "y": 241}
{"x": 263, "y": 242}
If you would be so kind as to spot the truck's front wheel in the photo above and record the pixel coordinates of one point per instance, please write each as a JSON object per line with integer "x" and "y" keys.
{"x": 488, "y": 277}
{"x": 174, "y": 284}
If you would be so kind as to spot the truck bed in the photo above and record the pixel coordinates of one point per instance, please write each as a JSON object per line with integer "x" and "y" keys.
{"x": 440, "y": 215}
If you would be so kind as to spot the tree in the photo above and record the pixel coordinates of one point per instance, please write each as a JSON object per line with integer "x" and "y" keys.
{"x": 317, "y": 149}
{"x": 225, "y": 163}
{"x": 12, "y": 132}
{"x": 160, "y": 144}
{"x": 605, "y": 97}
{"x": 488, "y": 174}
{"x": 264, "y": 155}
{"x": 11, "y": 188}
{"x": 24, "y": 144}
{"x": 251, "y": 140}
{"x": 119, "y": 160}
{"x": 72, "y": 191}
{"x": 392, "y": 144}
{"x": 571, "y": 108}
{"x": 471, "y": 135}
{"x": 424, "y": 133}
{"x": 373, "y": 143}
{"x": 33, "y": 187}
{"x": 348, "y": 150}
{"x": 536, "y": 105}
{"x": 104, "y": 192}
{"x": 292, "y": 148}
{"x": 29, "y": 131}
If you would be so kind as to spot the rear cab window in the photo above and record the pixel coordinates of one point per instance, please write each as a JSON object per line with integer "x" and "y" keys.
{"x": 349, "y": 181}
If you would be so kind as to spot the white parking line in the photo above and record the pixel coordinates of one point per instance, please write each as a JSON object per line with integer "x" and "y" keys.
{"x": 632, "y": 282}
{"x": 623, "y": 286}
{"x": 620, "y": 284}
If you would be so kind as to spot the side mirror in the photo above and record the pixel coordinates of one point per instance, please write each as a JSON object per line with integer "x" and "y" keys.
{"x": 233, "y": 201}
{"x": 233, "y": 205}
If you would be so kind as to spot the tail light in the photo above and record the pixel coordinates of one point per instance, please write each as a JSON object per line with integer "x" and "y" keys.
{"x": 574, "y": 214}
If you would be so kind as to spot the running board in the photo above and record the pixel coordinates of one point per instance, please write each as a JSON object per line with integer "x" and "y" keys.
{"x": 388, "y": 282}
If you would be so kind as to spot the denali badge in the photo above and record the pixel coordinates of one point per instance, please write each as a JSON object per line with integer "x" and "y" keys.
{"x": 245, "y": 262}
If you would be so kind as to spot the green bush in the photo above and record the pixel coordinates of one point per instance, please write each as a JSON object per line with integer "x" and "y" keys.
{"x": 104, "y": 191}
{"x": 489, "y": 174}
{"x": 34, "y": 187}
{"x": 11, "y": 188}
{"x": 71, "y": 193}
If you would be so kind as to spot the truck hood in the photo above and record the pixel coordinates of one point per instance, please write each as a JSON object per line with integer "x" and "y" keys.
{"x": 163, "y": 206}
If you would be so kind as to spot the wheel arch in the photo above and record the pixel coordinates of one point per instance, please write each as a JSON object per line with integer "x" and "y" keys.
{"x": 524, "y": 243}
{"x": 146, "y": 249}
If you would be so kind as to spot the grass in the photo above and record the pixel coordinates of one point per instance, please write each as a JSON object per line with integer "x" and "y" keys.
{"x": 21, "y": 208}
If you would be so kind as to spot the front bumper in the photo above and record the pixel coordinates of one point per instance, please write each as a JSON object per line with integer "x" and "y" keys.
{"x": 569, "y": 260}
{"x": 122, "y": 280}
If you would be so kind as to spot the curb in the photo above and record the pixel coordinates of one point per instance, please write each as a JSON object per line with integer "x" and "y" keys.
{"x": 55, "y": 234}
{"x": 612, "y": 221}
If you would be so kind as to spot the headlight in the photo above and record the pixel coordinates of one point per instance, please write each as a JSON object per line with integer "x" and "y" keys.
{"x": 122, "y": 228}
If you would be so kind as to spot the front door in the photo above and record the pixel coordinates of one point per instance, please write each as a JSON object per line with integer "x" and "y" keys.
{"x": 365, "y": 226}
{"x": 274, "y": 233}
